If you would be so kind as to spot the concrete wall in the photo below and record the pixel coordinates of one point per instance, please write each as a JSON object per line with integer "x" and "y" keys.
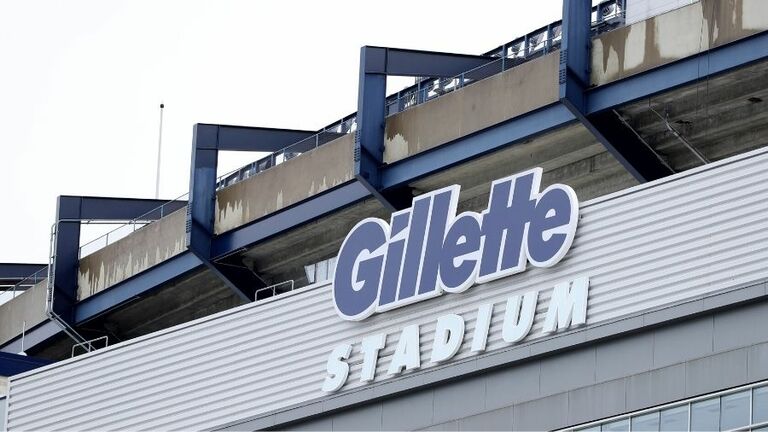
{"x": 271, "y": 190}
{"x": 289, "y": 183}
{"x": 675, "y": 35}
{"x": 29, "y": 307}
{"x": 509, "y": 94}
{"x": 148, "y": 246}
{"x": 639, "y": 10}
{"x": 682, "y": 360}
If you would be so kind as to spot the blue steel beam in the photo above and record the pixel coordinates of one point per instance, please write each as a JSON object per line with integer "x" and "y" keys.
{"x": 12, "y": 364}
{"x": 208, "y": 140}
{"x": 376, "y": 63}
{"x": 138, "y": 285}
{"x": 242, "y": 138}
{"x": 573, "y": 75}
{"x": 202, "y": 189}
{"x": 369, "y": 137}
{"x": 292, "y": 217}
{"x": 115, "y": 209}
{"x": 16, "y": 272}
{"x": 70, "y": 211}
{"x": 483, "y": 142}
{"x": 629, "y": 149}
{"x": 33, "y": 337}
{"x": 416, "y": 63}
{"x": 679, "y": 73}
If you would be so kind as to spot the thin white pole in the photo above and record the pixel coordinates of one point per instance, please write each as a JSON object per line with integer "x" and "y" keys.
{"x": 159, "y": 150}
{"x": 23, "y": 331}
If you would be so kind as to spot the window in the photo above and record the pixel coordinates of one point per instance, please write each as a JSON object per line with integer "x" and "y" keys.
{"x": 734, "y": 410}
{"x": 617, "y": 426}
{"x": 705, "y": 415}
{"x": 674, "y": 419}
{"x": 725, "y": 410}
{"x": 760, "y": 405}
{"x": 646, "y": 422}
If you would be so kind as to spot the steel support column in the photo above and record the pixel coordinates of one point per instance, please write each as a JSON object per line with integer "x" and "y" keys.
{"x": 376, "y": 63}
{"x": 70, "y": 212}
{"x": 607, "y": 127}
{"x": 208, "y": 140}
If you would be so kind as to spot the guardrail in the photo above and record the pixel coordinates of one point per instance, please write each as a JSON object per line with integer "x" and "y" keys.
{"x": 282, "y": 155}
{"x": 606, "y": 16}
{"x": 127, "y": 228}
{"x": 273, "y": 290}
{"x": 23, "y": 285}
{"x": 90, "y": 345}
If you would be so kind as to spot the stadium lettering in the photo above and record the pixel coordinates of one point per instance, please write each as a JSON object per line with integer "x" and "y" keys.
{"x": 427, "y": 249}
{"x": 567, "y": 308}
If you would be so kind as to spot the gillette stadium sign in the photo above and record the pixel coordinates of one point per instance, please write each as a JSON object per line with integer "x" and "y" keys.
{"x": 428, "y": 250}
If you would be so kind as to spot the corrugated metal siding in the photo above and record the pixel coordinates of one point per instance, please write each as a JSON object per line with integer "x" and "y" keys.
{"x": 642, "y": 248}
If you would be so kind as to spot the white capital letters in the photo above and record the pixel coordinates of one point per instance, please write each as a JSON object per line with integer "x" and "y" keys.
{"x": 337, "y": 368}
{"x": 449, "y": 333}
{"x": 370, "y": 348}
{"x": 568, "y": 306}
{"x": 482, "y": 325}
{"x": 517, "y": 320}
{"x": 407, "y": 354}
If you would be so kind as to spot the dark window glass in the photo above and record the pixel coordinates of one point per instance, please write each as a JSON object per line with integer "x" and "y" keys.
{"x": 646, "y": 422}
{"x": 674, "y": 419}
{"x": 760, "y": 405}
{"x": 734, "y": 410}
{"x": 616, "y": 426}
{"x": 705, "y": 415}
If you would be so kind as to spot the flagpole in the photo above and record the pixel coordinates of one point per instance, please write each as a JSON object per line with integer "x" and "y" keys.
{"x": 159, "y": 150}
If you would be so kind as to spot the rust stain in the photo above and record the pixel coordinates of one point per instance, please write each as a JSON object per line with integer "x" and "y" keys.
{"x": 724, "y": 20}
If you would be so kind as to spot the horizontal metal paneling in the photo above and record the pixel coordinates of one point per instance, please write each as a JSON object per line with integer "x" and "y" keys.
{"x": 681, "y": 238}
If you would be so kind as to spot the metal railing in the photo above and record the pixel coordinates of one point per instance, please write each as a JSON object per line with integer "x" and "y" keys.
{"x": 127, "y": 228}
{"x": 606, "y": 16}
{"x": 273, "y": 290}
{"x": 23, "y": 285}
{"x": 50, "y": 288}
{"x": 282, "y": 155}
{"x": 90, "y": 345}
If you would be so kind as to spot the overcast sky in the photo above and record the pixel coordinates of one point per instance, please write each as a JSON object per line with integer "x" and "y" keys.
{"x": 81, "y": 83}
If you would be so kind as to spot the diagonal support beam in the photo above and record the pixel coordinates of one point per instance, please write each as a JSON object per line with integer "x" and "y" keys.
{"x": 208, "y": 140}
{"x": 376, "y": 63}
{"x": 136, "y": 286}
{"x": 637, "y": 157}
{"x": 673, "y": 75}
{"x": 70, "y": 211}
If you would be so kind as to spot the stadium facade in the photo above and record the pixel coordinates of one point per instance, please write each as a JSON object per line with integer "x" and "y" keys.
{"x": 566, "y": 232}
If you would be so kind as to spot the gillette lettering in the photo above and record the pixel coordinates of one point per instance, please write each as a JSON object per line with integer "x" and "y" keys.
{"x": 428, "y": 249}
